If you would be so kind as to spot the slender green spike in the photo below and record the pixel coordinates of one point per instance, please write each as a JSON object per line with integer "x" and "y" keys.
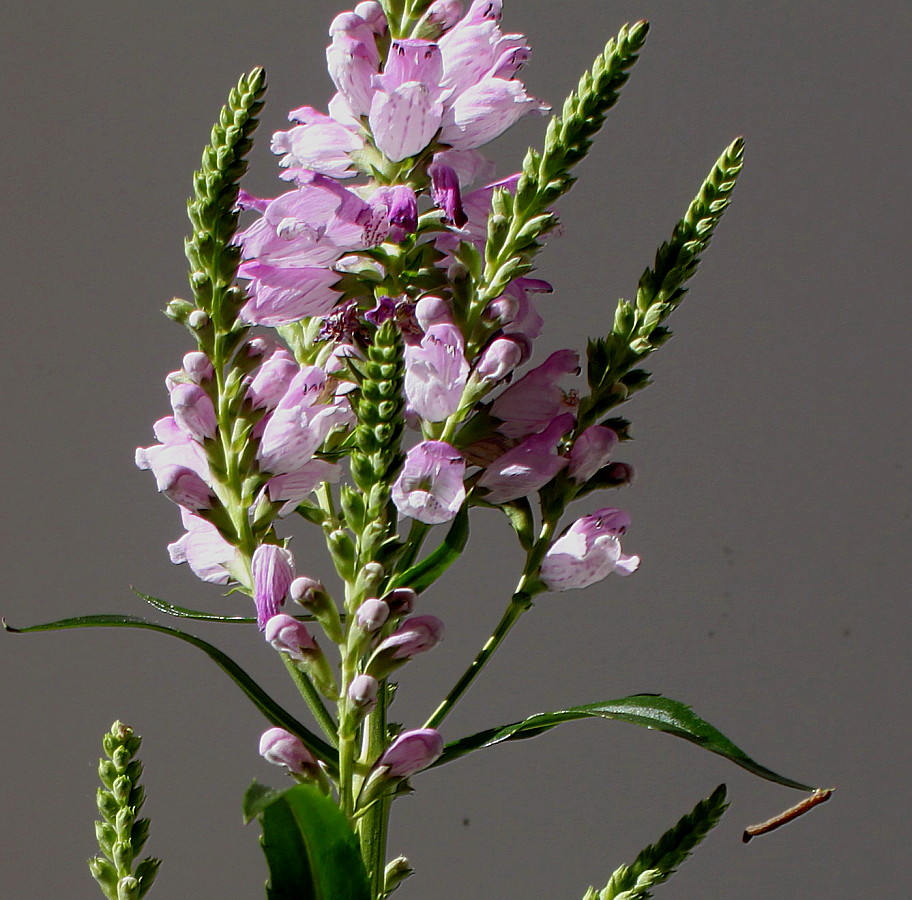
{"x": 677, "y": 260}
{"x": 658, "y": 862}
{"x": 638, "y": 328}
{"x": 212, "y": 208}
{"x": 546, "y": 174}
{"x": 121, "y": 835}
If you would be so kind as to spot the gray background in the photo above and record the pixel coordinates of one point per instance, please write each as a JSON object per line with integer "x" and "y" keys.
{"x": 771, "y": 510}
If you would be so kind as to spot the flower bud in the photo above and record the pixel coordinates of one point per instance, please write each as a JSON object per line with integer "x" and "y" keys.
{"x": 401, "y": 601}
{"x": 197, "y": 319}
{"x": 282, "y": 748}
{"x": 269, "y": 384}
{"x": 396, "y": 871}
{"x": 128, "y": 888}
{"x": 499, "y": 359}
{"x": 198, "y": 367}
{"x": 362, "y": 692}
{"x": 311, "y": 594}
{"x": 411, "y": 752}
{"x": 371, "y": 615}
{"x": 433, "y": 311}
{"x": 503, "y": 310}
{"x": 416, "y": 635}
{"x": 288, "y": 635}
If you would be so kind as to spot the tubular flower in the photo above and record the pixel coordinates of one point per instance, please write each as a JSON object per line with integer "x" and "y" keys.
{"x": 529, "y": 466}
{"x": 273, "y": 571}
{"x": 436, "y": 371}
{"x": 411, "y": 752}
{"x": 588, "y": 551}
{"x": 430, "y": 487}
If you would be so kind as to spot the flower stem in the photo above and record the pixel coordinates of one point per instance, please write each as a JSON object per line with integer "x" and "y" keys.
{"x": 312, "y": 698}
{"x": 374, "y": 825}
{"x": 521, "y": 600}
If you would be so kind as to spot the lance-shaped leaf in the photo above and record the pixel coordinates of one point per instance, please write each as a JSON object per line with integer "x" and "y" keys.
{"x": 273, "y": 712}
{"x": 183, "y": 612}
{"x": 310, "y": 848}
{"x": 649, "y": 710}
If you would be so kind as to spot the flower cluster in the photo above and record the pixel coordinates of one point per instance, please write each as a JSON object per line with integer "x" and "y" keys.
{"x": 365, "y": 297}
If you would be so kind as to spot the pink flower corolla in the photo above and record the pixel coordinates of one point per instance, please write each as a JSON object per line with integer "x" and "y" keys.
{"x": 590, "y": 451}
{"x": 204, "y": 549}
{"x": 287, "y": 635}
{"x": 272, "y": 568}
{"x": 430, "y": 487}
{"x": 463, "y": 87}
{"x": 499, "y": 359}
{"x": 185, "y": 488}
{"x": 411, "y": 752}
{"x": 282, "y": 748}
{"x": 436, "y": 371}
{"x": 272, "y": 379}
{"x": 531, "y": 403}
{"x": 177, "y": 447}
{"x": 290, "y": 249}
{"x": 529, "y": 466}
{"x": 362, "y": 692}
{"x": 193, "y": 410}
{"x": 300, "y": 423}
{"x": 588, "y": 552}
{"x": 292, "y": 487}
{"x": 446, "y": 193}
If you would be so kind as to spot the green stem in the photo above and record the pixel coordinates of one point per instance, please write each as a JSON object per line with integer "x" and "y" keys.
{"x": 313, "y": 699}
{"x": 521, "y": 600}
{"x": 373, "y": 826}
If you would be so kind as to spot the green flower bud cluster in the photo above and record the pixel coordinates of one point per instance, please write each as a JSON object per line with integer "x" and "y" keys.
{"x": 213, "y": 259}
{"x": 120, "y": 833}
{"x": 378, "y": 405}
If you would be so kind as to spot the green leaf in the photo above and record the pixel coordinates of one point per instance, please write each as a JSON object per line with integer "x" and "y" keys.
{"x": 649, "y": 710}
{"x": 274, "y": 713}
{"x": 423, "y": 574}
{"x": 658, "y": 862}
{"x": 182, "y": 612}
{"x": 311, "y": 850}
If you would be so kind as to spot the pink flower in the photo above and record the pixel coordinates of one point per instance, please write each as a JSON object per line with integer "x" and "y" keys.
{"x": 177, "y": 448}
{"x": 193, "y": 410}
{"x": 529, "y": 404}
{"x": 436, "y": 372}
{"x": 362, "y": 692}
{"x": 185, "y": 488}
{"x": 529, "y": 466}
{"x": 204, "y": 549}
{"x": 590, "y": 451}
{"x": 411, "y": 752}
{"x": 430, "y": 487}
{"x": 272, "y": 568}
{"x": 588, "y": 552}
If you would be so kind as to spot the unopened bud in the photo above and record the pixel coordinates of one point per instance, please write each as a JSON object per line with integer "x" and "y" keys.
{"x": 401, "y": 601}
{"x": 396, "y": 871}
{"x": 591, "y": 450}
{"x": 179, "y": 310}
{"x": 500, "y": 358}
{"x": 362, "y": 692}
{"x": 372, "y": 13}
{"x": 198, "y": 319}
{"x": 411, "y": 752}
{"x": 197, "y": 366}
{"x": 371, "y": 615}
{"x": 287, "y": 635}
{"x": 433, "y": 311}
{"x": 503, "y": 310}
{"x": 416, "y": 635}
{"x": 282, "y": 748}
{"x": 369, "y": 578}
{"x": 128, "y": 888}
